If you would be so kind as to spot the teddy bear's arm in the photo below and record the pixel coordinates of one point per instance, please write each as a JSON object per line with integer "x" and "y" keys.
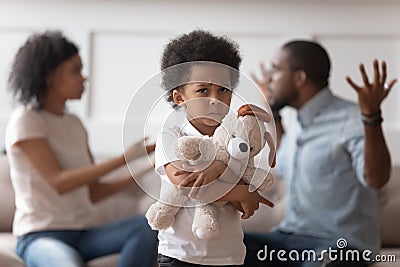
{"x": 195, "y": 148}
{"x": 259, "y": 178}
{"x": 188, "y": 147}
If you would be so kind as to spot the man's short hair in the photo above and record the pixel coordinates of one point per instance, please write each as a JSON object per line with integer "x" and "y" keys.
{"x": 310, "y": 57}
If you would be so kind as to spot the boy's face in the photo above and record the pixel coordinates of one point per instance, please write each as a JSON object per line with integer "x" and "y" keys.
{"x": 206, "y": 101}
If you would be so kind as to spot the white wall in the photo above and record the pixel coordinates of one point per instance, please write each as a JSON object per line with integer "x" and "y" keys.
{"x": 121, "y": 43}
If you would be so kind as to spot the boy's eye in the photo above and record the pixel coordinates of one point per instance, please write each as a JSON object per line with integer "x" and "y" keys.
{"x": 202, "y": 90}
{"x": 223, "y": 89}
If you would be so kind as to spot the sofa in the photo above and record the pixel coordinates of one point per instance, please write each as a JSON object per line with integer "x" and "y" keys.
{"x": 134, "y": 201}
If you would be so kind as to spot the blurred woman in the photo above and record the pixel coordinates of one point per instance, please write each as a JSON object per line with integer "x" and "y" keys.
{"x": 52, "y": 169}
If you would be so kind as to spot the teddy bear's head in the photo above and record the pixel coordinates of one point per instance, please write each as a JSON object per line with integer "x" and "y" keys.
{"x": 254, "y": 131}
{"x": 243, "y": 137}
{"x": 236, "y": 141}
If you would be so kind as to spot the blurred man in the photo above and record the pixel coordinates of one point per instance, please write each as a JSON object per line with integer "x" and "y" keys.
{"x": 333, "y": 159}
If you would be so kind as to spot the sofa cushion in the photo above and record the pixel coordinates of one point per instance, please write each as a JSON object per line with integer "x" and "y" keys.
{"x": 7, "y": 251}
{"x": 6, "y": 197}
{"x": 389, "y": 198}
{"x": 106, "y": 261}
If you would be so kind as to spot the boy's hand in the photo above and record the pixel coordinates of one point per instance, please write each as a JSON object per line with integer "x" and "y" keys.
{"x": 197, "y": 179}
{"x": 251, "y": 203}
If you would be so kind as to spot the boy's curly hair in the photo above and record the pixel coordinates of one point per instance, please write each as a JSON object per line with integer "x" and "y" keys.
{"x": 198, "y": 45}
{"x": 37, "y": 57}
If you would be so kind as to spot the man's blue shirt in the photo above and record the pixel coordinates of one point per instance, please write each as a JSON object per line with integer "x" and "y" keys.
{"x": 321, "y": 158}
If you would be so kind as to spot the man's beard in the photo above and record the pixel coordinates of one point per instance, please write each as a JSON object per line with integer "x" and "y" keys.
{"x": 276, "y": 105}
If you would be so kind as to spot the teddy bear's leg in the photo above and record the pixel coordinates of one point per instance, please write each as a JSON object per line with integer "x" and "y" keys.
{"x": 205, "y": 225}
{"x": 258, "y": 178}
{"x": 161, "y": 214}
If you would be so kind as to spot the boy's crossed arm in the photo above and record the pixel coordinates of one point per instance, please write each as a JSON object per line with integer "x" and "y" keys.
{"x": 238, "y": 194}
{"x": 182, "y": 174}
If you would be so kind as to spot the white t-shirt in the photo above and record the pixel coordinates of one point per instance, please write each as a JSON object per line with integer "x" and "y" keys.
{"x": 38, "y": 205}
{"x": 178, "y": 241}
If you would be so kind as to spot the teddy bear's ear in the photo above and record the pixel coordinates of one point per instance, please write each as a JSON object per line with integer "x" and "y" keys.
{"x": 272, "y": 149}
{"x": 273, "y": 161}
{"x": 253, "y": 110}
{"x": 245, "y": 110}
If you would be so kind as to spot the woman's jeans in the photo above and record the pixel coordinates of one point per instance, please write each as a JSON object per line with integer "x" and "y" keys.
{"x": 131, "y": 237}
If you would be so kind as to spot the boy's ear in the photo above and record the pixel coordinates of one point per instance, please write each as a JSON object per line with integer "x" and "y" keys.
{"x": 177, "y": 96}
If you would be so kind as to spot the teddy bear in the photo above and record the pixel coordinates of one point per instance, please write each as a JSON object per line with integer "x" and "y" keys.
{"x": 235, "y": 142}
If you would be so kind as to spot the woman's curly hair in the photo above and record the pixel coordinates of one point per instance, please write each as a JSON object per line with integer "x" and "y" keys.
{"x": 198, "y": 45}
{"x": 41, "y": 54}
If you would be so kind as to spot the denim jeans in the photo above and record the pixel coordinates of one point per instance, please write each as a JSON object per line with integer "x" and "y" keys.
{"x": 260, "y": 246}
{"x": 165, "y": 261}
{"x": 131, "y": 237}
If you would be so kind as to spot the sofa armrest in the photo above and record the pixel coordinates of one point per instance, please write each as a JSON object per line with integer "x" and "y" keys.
{"x": 7, "y": 198}
{"x": 8, "y": 257}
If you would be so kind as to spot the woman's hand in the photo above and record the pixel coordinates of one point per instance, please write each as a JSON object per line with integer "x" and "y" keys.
{"x": 371, "y": 95}
{"x": 138, "y": 149}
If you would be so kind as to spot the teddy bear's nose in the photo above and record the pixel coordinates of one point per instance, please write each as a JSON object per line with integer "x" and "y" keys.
{"x": 238, "y": 148}
{"x": 243, "y": 147}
